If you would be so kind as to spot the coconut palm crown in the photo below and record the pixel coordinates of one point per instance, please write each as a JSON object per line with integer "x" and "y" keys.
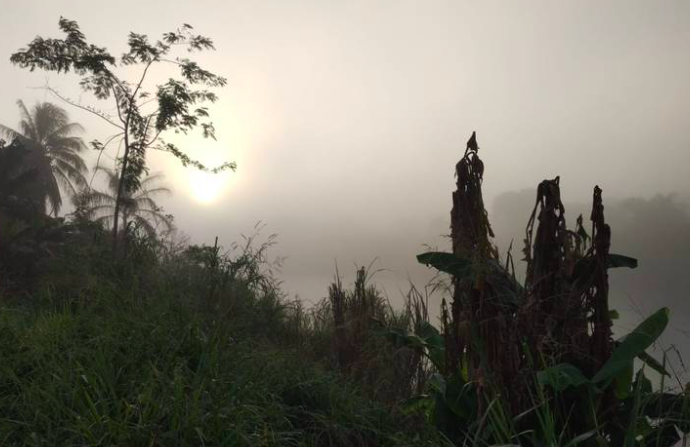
{"x": 136, "y": 206}
{"x": 48, "y": 136}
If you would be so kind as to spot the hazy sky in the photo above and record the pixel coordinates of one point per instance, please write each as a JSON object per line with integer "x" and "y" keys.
{"x": 346, "y": 118}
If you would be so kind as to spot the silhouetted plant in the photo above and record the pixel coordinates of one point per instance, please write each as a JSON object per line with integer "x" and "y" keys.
{"x": 52, "y": 151}
{"x": 21, "y": 217}
{"x": 143, "y": 116}
{"x": 137, "y": 206}
{"x": 15, "y": 175}
{"x": 536, "y": 364}
{"x": 354, "y": 320}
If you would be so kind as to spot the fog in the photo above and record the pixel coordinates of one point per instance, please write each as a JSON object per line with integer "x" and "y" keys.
{"x": 347, "y": 118}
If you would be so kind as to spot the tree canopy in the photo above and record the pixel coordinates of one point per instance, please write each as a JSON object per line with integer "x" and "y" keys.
{"x": 143, "y": 116}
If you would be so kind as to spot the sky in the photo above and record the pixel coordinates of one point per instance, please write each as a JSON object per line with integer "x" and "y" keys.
{"x": 346, "y": 118}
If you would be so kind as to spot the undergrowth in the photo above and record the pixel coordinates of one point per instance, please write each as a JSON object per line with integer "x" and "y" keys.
{"x": 170, "y": 344}
{"x": 123, "y": 372}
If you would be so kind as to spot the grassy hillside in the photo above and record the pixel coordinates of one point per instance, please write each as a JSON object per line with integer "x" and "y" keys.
{"x": 119, "y": 371}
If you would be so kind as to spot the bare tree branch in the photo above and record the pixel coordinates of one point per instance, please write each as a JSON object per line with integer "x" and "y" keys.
{"x": 79, "y": 106}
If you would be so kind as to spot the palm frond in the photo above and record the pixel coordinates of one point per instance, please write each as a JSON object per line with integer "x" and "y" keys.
{"x": 146, "y": 225}
{"x": 145, "y": 203}
{"x": 159, "y": 218}
{"x": 9, "y": 133}
{"x": 97, "y": 199}
{"x": 74, "y": 170}
{"x": 66, "y": 130}
{"x": 108, "y": 209}
{"x": 151, "y": 179}
{"x": 152, "y": 192}
{"x": 72, "y": 159}
{"x": 156, "y": 215}
{"x": 65, "y": 144}
{"x": 53, "y": 194}
{"x": 106, "y": 221}
{"x": 111, "y": 177}
{"x": 47, "y": 117}
{"x": 27, "y": 123}
{"x": 64, "y": 181}
{"x": 138, "y": 207}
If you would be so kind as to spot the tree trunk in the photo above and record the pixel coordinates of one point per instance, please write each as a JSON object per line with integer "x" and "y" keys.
{"x": 120, "y": 191}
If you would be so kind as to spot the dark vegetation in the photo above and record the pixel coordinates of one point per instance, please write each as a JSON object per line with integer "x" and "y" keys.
{"x": 154, "y": 342}
{"x": 143, "y": 117}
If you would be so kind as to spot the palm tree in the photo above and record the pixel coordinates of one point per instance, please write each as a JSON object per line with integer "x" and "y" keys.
{"x": 137, "y": 206}
{"x": 53, "y": 152}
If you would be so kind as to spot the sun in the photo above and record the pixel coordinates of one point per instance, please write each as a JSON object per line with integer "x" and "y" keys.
{"x": 206, "y": 187}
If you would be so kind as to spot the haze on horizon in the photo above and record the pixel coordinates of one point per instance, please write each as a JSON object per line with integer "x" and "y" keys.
{"x": 347, "y": 118}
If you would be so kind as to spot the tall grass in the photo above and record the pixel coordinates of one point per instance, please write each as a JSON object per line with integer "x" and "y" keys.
{"x": 195, "y": 348}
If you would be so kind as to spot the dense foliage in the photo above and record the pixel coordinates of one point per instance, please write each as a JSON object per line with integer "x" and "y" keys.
{"x": 174, "y": 346}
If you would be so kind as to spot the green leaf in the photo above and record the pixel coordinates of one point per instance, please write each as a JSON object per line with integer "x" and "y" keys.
{"x": 633, "y": 344}
{"x": 429, "y": 341}
{"x": 653, "y": 363}
{"x": 634, "y": 414}
{"x": 614, "y": 315}
{"x": 586, "y": 265}
{"x": 623, "y": 381}
{"x": 615, "y": 261}
{"x": 415, "y": 341}
{"x": 562, "y": 376}
{"x": 581, "y": 438}
{"x": 437, "y": 383}
{"x": 447, "y": 263}
{"x": 460, "y": 397}
{"x": 508, "y": 291}
{"x": 399, "y": 337}
{"x": 417, "y": 404}
{"x": 434, "y": 344}
{"x": 431, "y": 335}
{"x": 645, "y": 384}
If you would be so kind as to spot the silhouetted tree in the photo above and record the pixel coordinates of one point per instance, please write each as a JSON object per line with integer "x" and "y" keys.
{"x": 176, "y": 105}
{"x": 52, "y": 150}
{"x": 135, "y": 206}
{"x": 14, "y": 176}
{"x": 16, "y": 179}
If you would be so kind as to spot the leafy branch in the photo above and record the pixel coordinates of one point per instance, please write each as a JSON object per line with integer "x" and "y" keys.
{"x": 180, "y": 100}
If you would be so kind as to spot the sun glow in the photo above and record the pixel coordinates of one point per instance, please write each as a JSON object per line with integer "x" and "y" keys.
{"x": 206, "y": 187}
{"x": 241, "y": 126}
